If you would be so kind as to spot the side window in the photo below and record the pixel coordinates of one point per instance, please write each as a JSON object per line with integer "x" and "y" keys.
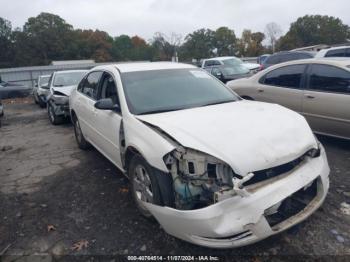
{"x": 208, "y": 63}
{"x": 81, "y": 85}
{"x": 329, "y": 79}
{"x": 347, "y": 54}
{"x": 215, "y": 62}
{"x": 109, "y": 89}
{"x": 272, "y": 60}
{"x": 287, "y": 76}
{"x": 336, "y": 53}
{"x": 90, "y": 84}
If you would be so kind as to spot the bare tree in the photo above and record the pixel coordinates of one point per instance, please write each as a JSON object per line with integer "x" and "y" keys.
{"x": 273, "y": 31}
{"x": 167, "y": 45}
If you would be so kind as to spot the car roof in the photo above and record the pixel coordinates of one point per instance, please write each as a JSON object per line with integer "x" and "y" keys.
{"x": 336, "y": 47}
{"x": 221, "y": 58}
{"x": 71, "y": 71}
{"x": 145, "y": 66}
{"x": 337, "y": 61}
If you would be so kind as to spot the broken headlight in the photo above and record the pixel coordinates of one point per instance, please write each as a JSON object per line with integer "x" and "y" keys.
{"x": 60, "y": 98}
{"x": 198, "y": 177}
{"x": 314, "y": 152}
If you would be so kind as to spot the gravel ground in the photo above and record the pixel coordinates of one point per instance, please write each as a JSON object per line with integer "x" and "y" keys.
{"x": 53, "y": 196}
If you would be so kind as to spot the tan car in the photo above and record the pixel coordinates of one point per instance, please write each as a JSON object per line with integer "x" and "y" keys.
{"x": 319, "y": 89}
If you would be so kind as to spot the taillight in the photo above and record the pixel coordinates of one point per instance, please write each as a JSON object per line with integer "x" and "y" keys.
{"x": 261, "y": 67}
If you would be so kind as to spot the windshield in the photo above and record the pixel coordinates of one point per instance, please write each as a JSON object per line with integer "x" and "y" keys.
{"x": 68, "y": 79}
{"x": 159, "y": 91}
{"x": 44, "y": 80}
{"x": 235, "y": 70}
{"x": 232, "y": 61}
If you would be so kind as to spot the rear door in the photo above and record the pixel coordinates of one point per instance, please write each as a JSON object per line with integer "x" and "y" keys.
{"x": 108, "y": 122}
{"x": 283, "y": 86}
{"x": 86, "y": 100}
{"x": 326, "y": 101}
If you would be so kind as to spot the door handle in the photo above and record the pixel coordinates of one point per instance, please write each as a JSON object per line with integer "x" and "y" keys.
{"x": 260, "y": 90}
{"x": 309, "y": 96}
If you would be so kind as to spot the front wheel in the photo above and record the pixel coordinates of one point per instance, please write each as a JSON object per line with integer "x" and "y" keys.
{"x": 149, "y": 185}
{"x": 54, "y": 119}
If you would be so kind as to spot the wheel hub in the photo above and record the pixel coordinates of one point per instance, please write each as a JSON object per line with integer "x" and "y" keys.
{"x": 142, "y": 185}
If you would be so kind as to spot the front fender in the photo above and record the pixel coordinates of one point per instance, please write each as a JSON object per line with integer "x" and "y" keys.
{"x": 151, "y": 145}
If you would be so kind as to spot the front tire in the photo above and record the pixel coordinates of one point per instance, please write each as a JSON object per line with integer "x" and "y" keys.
{"x": 149, "y": 185}
{"x": 54, "y": 119}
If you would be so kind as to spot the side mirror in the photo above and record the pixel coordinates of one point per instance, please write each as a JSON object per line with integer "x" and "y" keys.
{"x": 107, "y": 104}
{"x": 218, "y": 75}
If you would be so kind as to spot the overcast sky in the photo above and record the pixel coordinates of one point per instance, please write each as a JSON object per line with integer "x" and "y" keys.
{"x": 145, "y": 17}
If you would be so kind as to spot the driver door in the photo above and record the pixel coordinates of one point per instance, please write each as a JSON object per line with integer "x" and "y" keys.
{"x": 108, "y": 122}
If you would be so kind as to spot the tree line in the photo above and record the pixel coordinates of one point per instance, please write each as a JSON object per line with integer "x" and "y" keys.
{"x": 48, "y": 37}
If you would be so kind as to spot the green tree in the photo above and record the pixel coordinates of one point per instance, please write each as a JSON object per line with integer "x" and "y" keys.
{"x": 48, "y": 36}
{"x": 121, "y": 48}
{"x": 198, "y": 45}
{"x": 224, "y": 40}
{"x": 314, "y": 29}
{"x": 6, "y": 45}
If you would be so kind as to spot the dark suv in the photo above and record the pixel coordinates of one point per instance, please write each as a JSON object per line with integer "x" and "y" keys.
{"x": 285, "y": 56}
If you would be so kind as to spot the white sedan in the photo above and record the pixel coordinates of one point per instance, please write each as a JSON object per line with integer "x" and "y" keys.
{"x": 213, "y": 169}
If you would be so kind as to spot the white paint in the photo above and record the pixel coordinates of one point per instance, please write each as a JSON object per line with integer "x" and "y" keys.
{"x": 249, "y": 136}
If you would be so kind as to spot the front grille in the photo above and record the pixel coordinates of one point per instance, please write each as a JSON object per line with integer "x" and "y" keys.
{"x": 265, "y": 174}
{"x": 293, "y": 204}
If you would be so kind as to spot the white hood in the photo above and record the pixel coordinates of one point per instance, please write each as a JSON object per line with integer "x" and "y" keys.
{"x": 67, "y": 90}
{"x": 251, "y": 66}
{"x": 247, "y": 135}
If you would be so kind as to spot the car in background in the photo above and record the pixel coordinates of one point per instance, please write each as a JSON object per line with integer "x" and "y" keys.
{"x": 212, "y": 168}
{"x": 41, "y": 90}
{"x": 286, "y": 56}
{"x": 60, "y": 86}
{"x": 229, "y": 73}
{"x": 339, "y": 51}
{"x": 12, "y": 90}
{"x": 261, "y": 59}
{"x": 1, "y": 111}
{"x": 319, "y": 89}
{"x": 228, "y": 61}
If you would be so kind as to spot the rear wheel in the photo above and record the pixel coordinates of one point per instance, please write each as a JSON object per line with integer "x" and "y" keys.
{"x": 54, "y": 119}
{"x": 79, "y": 137}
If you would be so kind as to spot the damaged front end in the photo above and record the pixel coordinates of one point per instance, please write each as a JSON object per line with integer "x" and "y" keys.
{"x": 59, "y": 102}
{"x": 201, "y": 180}
{"x": 215, "y": 207}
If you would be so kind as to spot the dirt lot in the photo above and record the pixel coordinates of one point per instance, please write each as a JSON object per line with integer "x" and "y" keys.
{"x": 53, "y": 195}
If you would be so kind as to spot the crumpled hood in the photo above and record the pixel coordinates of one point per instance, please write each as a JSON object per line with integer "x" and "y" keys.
{"x": 247, "y": 135}
{"x": 67, "y": 90}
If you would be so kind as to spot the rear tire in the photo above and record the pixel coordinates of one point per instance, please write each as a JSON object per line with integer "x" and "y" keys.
{"x": 54, "y": 119}
{"x": 79, "y": 137}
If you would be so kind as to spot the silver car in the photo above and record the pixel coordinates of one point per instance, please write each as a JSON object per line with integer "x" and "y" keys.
{"x": 319, "y": 89}
{"x": 41, "y": 90}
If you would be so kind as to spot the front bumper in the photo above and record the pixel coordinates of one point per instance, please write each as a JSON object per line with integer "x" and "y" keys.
{"x": 240, "y": 221}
